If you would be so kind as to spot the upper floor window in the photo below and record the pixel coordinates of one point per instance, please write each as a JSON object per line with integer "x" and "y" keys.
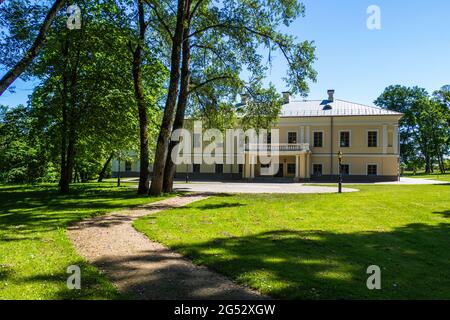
{"x": 292, "y": 137}
{"x": 269, "y": 138}
{"x": 318, "y": 139}
{"x": 372, "y": 139}
{"x": 344, "y": 139}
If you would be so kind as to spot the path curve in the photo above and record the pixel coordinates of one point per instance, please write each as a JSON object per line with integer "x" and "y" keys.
{"x": 146, "y": 269}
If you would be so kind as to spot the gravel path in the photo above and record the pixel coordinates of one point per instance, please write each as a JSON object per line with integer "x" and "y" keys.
{"x": 145, "y": 269}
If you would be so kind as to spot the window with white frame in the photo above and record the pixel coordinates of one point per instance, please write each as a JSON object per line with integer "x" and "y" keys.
{"x": 292, "y": 137}
{"x": 372, "y": 169}
{"x": 345, "y": 169}
{"x": 372, "y": 139}
{"x": 269, "y": 138}
{"x": 317, "y": 169}
{"x": 318, "y": 139}
{"x": 344, "y": 139}
{"x": 291, "y": 168}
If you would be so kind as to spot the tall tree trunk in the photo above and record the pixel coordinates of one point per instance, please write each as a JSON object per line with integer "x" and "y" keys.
{"x": 102, "y": 173}
{"x": 64, "y": 125}
{"x": 170, "y": 169}
{"x": 28, "y": 58}
{"x": 72, "y": 121}
{"x": 139, "y": 94}
{"x": 168, "y": 117}
{"x": 427, "y": 164}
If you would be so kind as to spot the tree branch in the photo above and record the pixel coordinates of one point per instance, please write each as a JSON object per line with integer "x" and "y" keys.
{"x": 198, "y": 86}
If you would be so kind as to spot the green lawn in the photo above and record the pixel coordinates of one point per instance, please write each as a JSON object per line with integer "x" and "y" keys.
{"x": 319, "y": 246}
{"x": 423, "y": 175}
{"x": 34, "y": 249}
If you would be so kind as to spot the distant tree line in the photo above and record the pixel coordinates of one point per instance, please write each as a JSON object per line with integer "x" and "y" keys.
{"x": 425, "y": 126}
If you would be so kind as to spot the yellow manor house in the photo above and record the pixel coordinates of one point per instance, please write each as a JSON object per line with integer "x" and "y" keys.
{"x": 311, "y": 133}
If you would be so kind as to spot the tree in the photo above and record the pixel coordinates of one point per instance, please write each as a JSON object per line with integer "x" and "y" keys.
{"x": 32, "y": 53}
{"x": 84, "y": 100}
{"x": 424, "y": 128}
{"x": 240, "y": 28}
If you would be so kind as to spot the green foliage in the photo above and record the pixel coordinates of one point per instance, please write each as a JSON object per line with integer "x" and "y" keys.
{"x": 425, "y": 126}
{"x": 35, "y": 250}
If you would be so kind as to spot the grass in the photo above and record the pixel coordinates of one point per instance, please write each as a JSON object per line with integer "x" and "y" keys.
{"x": 34, "y": 249}
{"x": 434, "y": 176}
{"x": 319, "y": 246}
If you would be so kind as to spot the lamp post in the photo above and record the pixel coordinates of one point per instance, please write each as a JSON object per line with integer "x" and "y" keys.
{"x": 340, "y": 171}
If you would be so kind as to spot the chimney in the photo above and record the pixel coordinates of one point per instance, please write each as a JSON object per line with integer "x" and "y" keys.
{"x": 286, "y": 97}
{"x": 244, "y": 98}
{"x": 330, "y": 95}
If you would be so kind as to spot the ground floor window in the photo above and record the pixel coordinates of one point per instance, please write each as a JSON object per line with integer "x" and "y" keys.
{"x": 372, "y": 170}
{"x": 317, "y": 169}
{"x": 241, "y": 168}
{"x": 127, "y": 165}
{"x": 291, "y": 168}
{"x": 196, "y": 168}
{"x": 345, "y": 168}
{"x": 219, "y": 168}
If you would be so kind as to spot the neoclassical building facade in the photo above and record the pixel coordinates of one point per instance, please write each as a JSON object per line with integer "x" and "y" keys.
{"x": 311, "y": 133}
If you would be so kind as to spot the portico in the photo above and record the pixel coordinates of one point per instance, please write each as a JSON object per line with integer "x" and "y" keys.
{"x": 294, "y": 160}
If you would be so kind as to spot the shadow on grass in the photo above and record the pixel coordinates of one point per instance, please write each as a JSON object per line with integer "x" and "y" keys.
{"x": 41, "y": 208}
{"x": 445, "y": 213}
{"x": 93, "y": 285}
{"x": 414, "y": 259}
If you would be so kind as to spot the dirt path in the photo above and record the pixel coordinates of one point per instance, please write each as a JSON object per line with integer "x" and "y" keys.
{"x": 146, "y": 269}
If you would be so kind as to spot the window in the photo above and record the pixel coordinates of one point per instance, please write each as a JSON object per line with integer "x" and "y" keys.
{"x": 196, "y": 167}
{"x": 345, "y": 169}
{"x": 318, "y": 139}
{"x": 291, "y": 168}
{"x": 372, "y": 139}
{"x": 269, "y": 138}
{"x": 372, "y": 170}
{"x": 390, "y": 139}
{"x": 127, "y": 165}
{"x": 344, "y": 139}
{"x": 317, "y": 169}
{"x": 292, "y": 137}
{"x": 219, "y": 168}
{"x": 241, "y": 168}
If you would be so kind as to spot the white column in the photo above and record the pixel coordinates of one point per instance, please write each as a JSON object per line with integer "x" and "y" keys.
{"x": 307, "y": 135}
{"x": 302, "y": 134}
{"x": 297, "y": 162}
{"x": 395, "y": 139}
{"x": 252, "y": 167}
{"x": 385, "y": 139}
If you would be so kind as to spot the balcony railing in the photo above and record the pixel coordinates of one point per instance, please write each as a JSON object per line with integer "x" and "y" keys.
{"x": 277, "y": 147}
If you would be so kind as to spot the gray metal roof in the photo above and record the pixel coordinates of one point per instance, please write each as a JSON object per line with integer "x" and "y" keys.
{"x": 324, "y": 108}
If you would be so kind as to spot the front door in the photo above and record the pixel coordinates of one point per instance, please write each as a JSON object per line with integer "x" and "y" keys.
{"x": 280, "y": 171}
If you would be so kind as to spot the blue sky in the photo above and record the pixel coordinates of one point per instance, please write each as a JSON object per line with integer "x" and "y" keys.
{"x": 412, "y": 48}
